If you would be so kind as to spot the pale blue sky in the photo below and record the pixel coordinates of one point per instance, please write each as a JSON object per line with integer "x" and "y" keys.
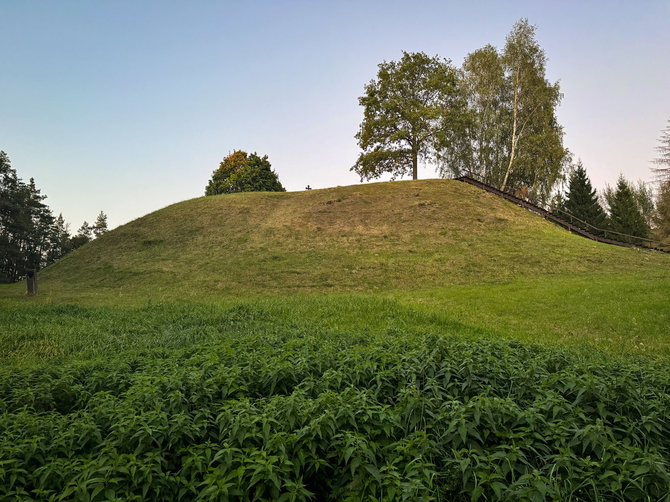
{"x": 128, "y": 106}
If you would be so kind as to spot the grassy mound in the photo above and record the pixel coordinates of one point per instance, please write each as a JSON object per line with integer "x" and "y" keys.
{"x": 402, "y": 236}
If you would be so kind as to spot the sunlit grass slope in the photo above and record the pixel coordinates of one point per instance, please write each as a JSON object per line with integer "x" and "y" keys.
{"x": 438, "y": 247}
{"x": 402, "y": 236}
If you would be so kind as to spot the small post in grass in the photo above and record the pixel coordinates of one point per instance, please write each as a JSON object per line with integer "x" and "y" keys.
{"x": 31, "y": 277}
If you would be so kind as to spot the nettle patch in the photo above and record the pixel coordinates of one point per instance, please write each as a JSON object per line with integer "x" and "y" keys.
{"x": 323, "y": 416}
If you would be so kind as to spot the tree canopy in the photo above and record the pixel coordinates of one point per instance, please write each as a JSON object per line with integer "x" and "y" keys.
{"x": 494, "y": 119}
{"x": 406, "y": 109}
{"x": 240, "y": 172}
{"x": 509, "y": 136}
{"x": 30, "y": 236}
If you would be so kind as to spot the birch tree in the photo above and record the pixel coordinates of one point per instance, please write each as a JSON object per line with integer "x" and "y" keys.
{"x": 510, "y": 137}
{"x": 535, "y": 154}
{"x": 477, "y": 147}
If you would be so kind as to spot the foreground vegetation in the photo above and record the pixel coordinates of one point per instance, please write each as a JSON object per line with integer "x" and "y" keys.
{"x": 208, "y": 402}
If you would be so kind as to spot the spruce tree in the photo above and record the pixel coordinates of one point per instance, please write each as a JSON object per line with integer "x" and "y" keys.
{"x": 582, "y": 202}
{"x": 625, "y": 214}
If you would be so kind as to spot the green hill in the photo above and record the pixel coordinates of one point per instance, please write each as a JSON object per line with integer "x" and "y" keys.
{"x": 439, "y": 247}
{"x": 402, "y": 236}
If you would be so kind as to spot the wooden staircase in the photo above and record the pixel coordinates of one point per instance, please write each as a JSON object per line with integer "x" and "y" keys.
{"x": 552, "y": 217}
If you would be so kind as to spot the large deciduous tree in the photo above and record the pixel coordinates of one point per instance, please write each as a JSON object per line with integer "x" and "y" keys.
{"x": 406, "y": 109}
{"x": 477, "y": 147}
{"x": 239, "y": 172}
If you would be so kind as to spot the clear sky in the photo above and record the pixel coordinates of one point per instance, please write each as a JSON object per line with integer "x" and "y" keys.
{"x": 128, "y": 106}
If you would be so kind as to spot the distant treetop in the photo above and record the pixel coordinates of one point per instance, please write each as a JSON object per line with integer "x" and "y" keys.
{"x": 242, "y": 172}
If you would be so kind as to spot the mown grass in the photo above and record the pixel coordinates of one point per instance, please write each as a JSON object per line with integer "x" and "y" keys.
{"x": 412, "y": 340}
{"x": 616, "y": 313}
{"x": 619, "y": 315}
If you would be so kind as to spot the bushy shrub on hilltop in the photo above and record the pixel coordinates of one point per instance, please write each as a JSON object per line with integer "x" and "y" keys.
{"x": 240, "y": 172}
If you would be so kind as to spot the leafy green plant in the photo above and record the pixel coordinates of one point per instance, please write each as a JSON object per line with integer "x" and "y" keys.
{"x": 298, "y": 414}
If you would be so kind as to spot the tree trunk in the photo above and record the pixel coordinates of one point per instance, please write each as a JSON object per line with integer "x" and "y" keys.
{"x": 414, "y": 166}
{"x": 514, "y": 138}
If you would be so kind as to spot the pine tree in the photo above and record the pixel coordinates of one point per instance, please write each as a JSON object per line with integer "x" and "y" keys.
{"x": 83, "y": 235}
{"x": 59, "y": 239}
{"x": 30, "y": 236}
{"x": 100, "y": 226}
{"x": 10, "y": 209}
{"x": 39, "y": 229}
{"x": 582, "y": 202}
{"x": 625, "y": 215}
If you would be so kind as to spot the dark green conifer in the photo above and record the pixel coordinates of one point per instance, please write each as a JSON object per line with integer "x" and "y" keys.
{"x": 625, "y": 214}
{"x": 582, "y": 202}
{"x": 662, "y": 216}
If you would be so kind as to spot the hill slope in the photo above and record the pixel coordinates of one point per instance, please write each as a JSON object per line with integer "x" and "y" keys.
{"x": 386, "y": 236}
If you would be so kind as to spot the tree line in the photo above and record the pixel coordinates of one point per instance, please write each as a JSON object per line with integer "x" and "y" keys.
{"x": 622, "y": 213}
{"x": 627, "y": 212}
{"x": 30, "y": 236}
{"x": 494, "y": 118}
